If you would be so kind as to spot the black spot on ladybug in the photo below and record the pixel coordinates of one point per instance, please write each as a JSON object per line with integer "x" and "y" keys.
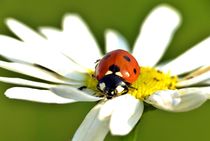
{"x": 114, "y": 68}
{"x": 127, "y": 58}
{"x": 107, "y": 56}
{"x": 134, "y": 70}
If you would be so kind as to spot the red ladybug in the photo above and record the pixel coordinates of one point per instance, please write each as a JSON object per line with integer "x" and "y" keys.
{"x": 115, "y": 72}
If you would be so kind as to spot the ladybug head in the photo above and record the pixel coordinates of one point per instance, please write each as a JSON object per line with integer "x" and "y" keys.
{"x": 112, "y": 85}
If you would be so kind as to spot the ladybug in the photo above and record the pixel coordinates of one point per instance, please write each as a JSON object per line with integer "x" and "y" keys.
{"x": 115, "y": 72}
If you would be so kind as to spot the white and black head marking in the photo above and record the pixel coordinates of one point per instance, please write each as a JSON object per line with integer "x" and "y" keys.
{"x": 112, "y": 83}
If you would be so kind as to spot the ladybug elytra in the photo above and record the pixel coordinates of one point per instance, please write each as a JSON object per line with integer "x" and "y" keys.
{"x": 115, "y": 72}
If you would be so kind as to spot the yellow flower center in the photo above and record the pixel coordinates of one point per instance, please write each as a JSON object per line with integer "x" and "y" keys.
{"x": 149, "y": 81}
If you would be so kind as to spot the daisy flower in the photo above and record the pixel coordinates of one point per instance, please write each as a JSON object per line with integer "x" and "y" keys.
{"x": 62, "y": 63}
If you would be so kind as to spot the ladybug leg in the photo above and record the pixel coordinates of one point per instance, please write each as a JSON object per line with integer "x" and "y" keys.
{"x": 101, "y": 92}
{"x": 97, "y": 61}
{"x": 131, "y": 87}
{"x": 125, "y": 90}
{"x": 82, "y": 88}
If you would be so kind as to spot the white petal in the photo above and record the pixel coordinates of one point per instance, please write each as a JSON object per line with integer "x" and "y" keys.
{"x": 73, "y": 93}
{"x": 32, "y": 70}
{"x": 206, "y": 91}
{"x": 115, "y": 41}
{"x": 69, "y": 43}
{"x": 80, "y": 44}
{"x": 40, "y": 48}
{"x": 156, "y": 34}
{"x": 43, "y": 96}
{"x": 207, "y": 82}
{"x": 179, "y": 100}
{"x": 195, "y": 80}
{"x": 6, "y": 45}
{"x": 50, "y": 33}
{"x": 92, "y": 129}
{"x": 108, "y": 108}
{"x": 191, "y": 59}
{"x": 25, "y": 82}
{"x": 127, "y": 112}
{"x": 55, "y": 61}
{"x": 60, "y": 43}
{"x": 23, "y": 32}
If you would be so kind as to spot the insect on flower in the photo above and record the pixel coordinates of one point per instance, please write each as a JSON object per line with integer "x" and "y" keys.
{"x": 115, "y": 72}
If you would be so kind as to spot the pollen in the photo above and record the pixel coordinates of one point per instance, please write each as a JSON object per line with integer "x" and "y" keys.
{"x": 90, "y": 80}
{"x": 151, "y": 80}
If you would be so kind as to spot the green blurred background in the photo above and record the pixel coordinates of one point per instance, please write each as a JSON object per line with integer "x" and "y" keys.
{"x": 28, "y": 121}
